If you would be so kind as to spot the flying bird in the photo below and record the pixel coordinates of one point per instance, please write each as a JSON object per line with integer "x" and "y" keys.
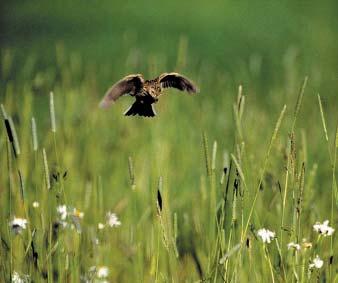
{"x": 146, "y": 92}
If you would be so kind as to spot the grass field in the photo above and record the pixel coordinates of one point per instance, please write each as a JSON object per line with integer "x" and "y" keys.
{"x": 191, "y": 188}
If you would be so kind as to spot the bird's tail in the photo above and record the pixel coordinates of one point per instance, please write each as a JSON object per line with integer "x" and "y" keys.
{"x": 141, "y": 109}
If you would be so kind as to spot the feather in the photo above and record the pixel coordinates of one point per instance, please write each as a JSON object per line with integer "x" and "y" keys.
{"x": 130, "y": 84}
{"x": 178, "y": 81}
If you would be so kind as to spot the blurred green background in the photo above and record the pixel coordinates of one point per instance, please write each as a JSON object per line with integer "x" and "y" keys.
{"x": 248, "y": 41}
{"x": 79, "y": 48}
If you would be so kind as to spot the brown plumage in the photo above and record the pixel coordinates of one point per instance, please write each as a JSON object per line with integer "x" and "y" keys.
{"x": 146, "y": 92}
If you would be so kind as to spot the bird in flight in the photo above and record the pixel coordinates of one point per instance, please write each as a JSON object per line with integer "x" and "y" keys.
{"x": 146, "y": 92}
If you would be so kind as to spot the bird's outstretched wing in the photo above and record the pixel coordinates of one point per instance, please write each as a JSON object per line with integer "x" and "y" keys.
{"x": 129, "y": 84}
{"x": 177, "y": 81}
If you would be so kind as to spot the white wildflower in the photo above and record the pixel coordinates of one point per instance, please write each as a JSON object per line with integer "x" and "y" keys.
{"x": 77, "y": 213}
{"x": 100, "y": 226}
{"x": 18, "y": 224}
{"x": 316, "y": 263}
{"x": 293, "y": 245}
{"x": 266, "y": 235}
{"x": 64, "y": 224}
{"x": 62, "y": 211}
{"x": 323, "y": 229}
{"x": 102, "y": 272}
{"x": 75, "y": 217}
{"x": 112, "y": 220}
{"x": 35, "y": 204}
{"x": 97, "y": 274}
{"x": 69, "y": 217}
{"x": 17, "y": 278}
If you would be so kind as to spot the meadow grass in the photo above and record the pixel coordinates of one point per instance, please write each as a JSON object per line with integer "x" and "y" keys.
{"x": 191, "y": 189}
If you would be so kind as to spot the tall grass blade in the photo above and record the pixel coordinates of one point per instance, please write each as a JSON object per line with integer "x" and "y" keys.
{"x": 299, "y": 102}
{"x": 323, "y": 117}
{"x": 15, "y": 137}
{"x": 3, "y": 112}
{"x": 131, "y": 172}
{"x": 34, "y": 135}
{"x": 206, "y": 154}
{"x": 239, "y": 169}
{"x": 227, "y": 255}
{"x": 22, "y": 186}
{"x": 52, "y": 112}
{"x": 214, "y": 152}
{"x": 46, "y": 169}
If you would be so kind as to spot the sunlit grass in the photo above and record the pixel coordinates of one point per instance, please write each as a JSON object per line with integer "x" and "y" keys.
{"x": 178, "y": 198}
